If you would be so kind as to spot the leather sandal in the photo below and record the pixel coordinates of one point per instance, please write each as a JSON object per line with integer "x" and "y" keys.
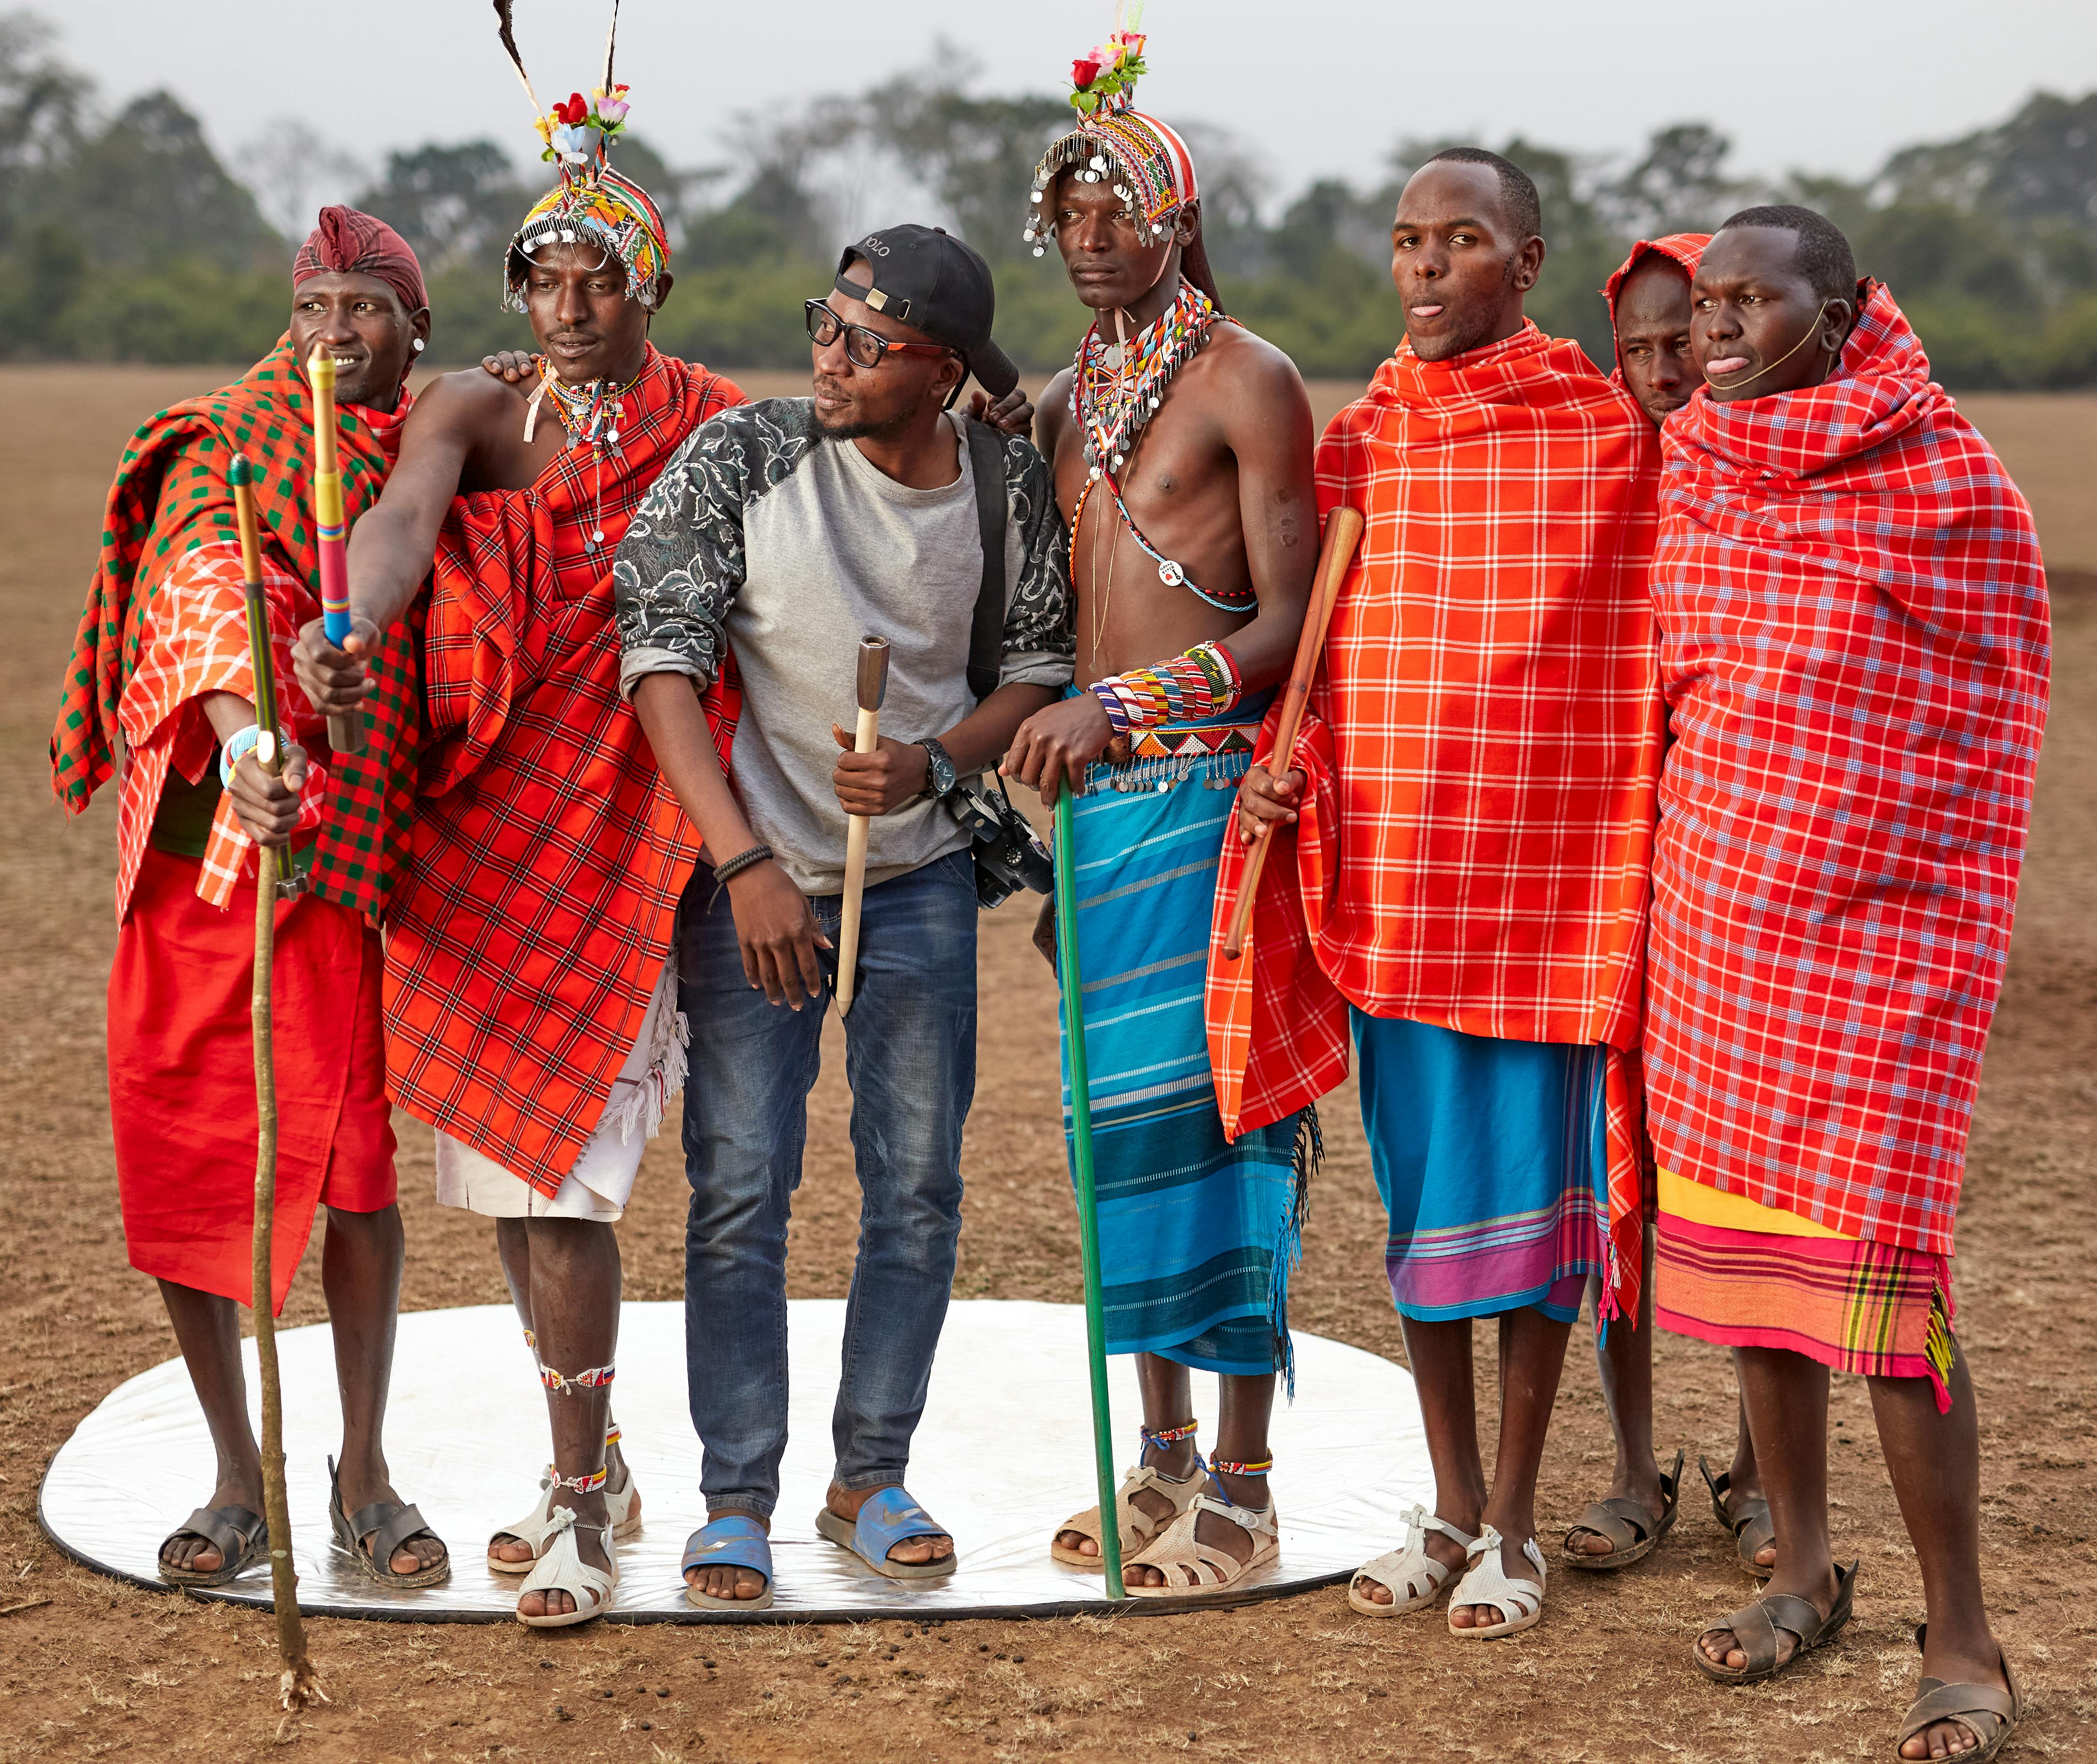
{"x": 1991, "y": 1716}
{"x": 241, "y": 1537}
{"x": 373, "y": 1534}
{"x": 1632, "y": 1533}
{"x": 1190, "y": 1565}
{"x": 1520, "y": 1602}
{"x": 1750, "y": 1521}
{"x": 1414, "y": 1577}
{"x": 622, "y": 1499}
{"x": 1138, "y": 1528}
{"x": 1754, "y": 1627}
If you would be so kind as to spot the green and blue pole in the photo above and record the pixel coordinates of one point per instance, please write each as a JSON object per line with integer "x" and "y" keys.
{"x": 1081, "y": 1159}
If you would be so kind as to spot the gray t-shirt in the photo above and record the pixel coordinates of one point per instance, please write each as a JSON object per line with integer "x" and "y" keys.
{"x": 763, "y": 537}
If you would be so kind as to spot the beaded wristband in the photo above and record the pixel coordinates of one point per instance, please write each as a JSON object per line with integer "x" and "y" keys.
{"x": 1203, "y": 682}
{"x": 742, "y": 861}
{"x": 241, "y": 743}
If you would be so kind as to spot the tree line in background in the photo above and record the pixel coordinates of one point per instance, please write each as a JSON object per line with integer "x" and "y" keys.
{"x": 123, "y": 236}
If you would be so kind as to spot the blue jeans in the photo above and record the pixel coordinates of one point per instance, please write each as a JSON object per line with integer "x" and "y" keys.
{"x": 910, "y": 1055}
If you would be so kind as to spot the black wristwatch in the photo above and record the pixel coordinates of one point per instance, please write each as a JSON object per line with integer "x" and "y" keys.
{"x": 939, "y": 769}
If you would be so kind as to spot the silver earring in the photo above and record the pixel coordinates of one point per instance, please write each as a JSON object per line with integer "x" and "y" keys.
{"x": 417, "y": 346}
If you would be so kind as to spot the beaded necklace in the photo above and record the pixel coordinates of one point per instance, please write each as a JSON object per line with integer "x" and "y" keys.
{"x": 1117, "y": 388}
{"x": 591, "y": 413}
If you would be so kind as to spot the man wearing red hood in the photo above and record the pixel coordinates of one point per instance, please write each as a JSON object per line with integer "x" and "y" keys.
{"x": 159, "y": 696}
{"x": 1855, "y": 649}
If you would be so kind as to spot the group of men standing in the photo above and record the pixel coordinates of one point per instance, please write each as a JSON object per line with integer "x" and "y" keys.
{"x": 1650, "y": 848}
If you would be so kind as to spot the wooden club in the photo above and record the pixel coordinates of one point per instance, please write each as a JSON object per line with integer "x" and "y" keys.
{"x": 872, "y": 688}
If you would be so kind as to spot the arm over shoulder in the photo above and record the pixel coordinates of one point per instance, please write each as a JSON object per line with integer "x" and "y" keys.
{"x": 683, "y": 560}
{"x": 1040, "y": 635}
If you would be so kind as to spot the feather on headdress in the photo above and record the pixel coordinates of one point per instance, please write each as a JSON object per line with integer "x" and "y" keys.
{"x": 592, "y": 201}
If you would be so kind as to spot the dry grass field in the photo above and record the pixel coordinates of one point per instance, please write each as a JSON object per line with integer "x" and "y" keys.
{"x": 91, "y": 1669}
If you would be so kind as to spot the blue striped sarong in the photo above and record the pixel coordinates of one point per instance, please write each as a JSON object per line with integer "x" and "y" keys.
{"x": 1197, "y": 1235}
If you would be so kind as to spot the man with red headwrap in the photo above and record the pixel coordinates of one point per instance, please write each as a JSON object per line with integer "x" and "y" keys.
{"x": 159, "y": 696}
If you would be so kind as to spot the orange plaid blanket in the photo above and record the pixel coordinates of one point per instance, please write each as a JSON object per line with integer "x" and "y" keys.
{"x": 547, "y": 855}
{"x": 1483, "y": 749}
{"x": 163, "y": 623}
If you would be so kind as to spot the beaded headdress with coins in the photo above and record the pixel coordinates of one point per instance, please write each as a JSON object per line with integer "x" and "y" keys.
{"x": 592, "y": 202}
{"x": 1145, "y": 160}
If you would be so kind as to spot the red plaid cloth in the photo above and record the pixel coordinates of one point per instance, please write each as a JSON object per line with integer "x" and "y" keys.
{"x": 547, "y": 854}
{"x": 1686, "y": 249}
{"x": 171, "y": 497}
{"x": 1853, "y": 641}
{"x": 1484, "y": 750}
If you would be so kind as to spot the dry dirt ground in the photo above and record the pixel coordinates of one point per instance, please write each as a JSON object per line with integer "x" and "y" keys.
{"x": 104, "y": 1670}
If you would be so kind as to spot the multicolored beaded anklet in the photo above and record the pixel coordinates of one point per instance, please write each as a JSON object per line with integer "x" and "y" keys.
{"x": 1167, "y": 1436}
{"x": 582, "y": 1485}
{"x": 1260, "y": 1468}
{"x": 582, "y": 1381}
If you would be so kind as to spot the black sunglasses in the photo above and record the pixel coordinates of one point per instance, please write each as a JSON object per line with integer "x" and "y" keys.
{"x": 863, "y": 348}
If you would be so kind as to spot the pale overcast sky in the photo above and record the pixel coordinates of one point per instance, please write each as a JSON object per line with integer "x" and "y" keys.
{"x": 1316, "y": 86}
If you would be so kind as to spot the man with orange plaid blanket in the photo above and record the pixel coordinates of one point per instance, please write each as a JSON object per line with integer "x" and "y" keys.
{"x": 1855, "y": 648}
{"x": 1465, "y": 832}
{"x": 160, "y": 696}
{"x": 531, "y": 1016}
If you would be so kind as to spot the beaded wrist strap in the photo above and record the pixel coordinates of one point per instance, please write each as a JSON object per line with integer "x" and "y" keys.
{"x": 1203, "y": 682}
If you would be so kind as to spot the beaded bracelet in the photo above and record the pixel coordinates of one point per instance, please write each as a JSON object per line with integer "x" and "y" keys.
{"x": 742, "y": 861}
{"x": 239, "y": 745}
{"x": 1203, "y": 682}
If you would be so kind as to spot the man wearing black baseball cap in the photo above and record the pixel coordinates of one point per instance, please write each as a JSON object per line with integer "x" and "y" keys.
{"x": 788, "y": 530}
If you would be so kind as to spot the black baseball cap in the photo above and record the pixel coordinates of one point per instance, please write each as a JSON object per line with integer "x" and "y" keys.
{"x": 924, "y": 276}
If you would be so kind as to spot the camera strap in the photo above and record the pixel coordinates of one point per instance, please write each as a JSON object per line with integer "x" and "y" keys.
{"x": 993, "y": 513}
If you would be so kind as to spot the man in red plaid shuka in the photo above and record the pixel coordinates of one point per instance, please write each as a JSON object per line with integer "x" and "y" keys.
{"x": 1854, "y": 647}
{"x": 531, "y": 1018}
{"x": 160, "y": 696}
{"x": 1465, "y": 834}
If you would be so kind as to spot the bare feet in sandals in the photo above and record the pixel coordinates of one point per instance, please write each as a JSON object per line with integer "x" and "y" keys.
{"x": 721, "y": 1581}
{"x": 910, "y": 1551}
{"x": 189, "y": 1552}
{"x": 1979, "y": 1662}
{"x": 1179, "y": 1460}
{"x": 1640, "y": 1482}
{"x": 1513, "y": 1564}
{"x": 592, "y": 1544}
{"x": 1217, "y": 1533}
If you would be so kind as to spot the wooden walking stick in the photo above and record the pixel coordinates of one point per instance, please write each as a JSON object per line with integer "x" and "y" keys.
{"x": 298, "y": 1685}
{"x": 872, "y": 688}
{"x": 1069, "y": 977}
{"x": 1343, "y": 535}
{"x": 346, "y": 733}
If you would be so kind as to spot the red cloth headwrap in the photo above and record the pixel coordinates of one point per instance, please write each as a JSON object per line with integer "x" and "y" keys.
{"x": 1686, "y": 249}
{"x": 347, "y": 242}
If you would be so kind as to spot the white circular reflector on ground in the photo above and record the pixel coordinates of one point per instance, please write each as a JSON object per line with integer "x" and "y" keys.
{"x": 1003, "y": 1454}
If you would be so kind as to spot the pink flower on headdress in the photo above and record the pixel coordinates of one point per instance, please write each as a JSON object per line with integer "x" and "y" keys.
{"x": 1109, "y": 55}
{"x": 1132, "y": 41}
{"x": 611, "y": 107}
{"x": 1084, "y": 71}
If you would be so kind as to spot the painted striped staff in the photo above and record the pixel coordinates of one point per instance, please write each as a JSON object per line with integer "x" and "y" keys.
{"x": 345, "y": 733}
{"x": 298, "y": 1685}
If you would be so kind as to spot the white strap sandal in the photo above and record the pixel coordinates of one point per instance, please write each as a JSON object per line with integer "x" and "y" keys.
{"x": 536, "y": 1526}
{"x": 1415, "y": 1579}
{"x": 1519, "y": 1602}
{"x": 1190, "y": 1565}
{"x": 1138, "y": 1529}
{"x": 562, "y": 1569}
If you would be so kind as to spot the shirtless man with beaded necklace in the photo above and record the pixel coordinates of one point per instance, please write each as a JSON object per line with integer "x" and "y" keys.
{"x": 1181, "y": 447}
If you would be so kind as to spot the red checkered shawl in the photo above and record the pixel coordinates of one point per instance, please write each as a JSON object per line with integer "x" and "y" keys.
{"x": 163, "y": 624}
{"x": 547, "y": 853}
{"x": 1484, "y": 750}
{"x": 1853, "y": 641}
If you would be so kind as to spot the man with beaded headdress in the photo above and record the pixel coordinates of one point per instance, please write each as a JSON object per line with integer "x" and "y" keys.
{"x": 159, "y": 698}
{"x": 1181, "y": 448}
{"x": 530, "y": 1018}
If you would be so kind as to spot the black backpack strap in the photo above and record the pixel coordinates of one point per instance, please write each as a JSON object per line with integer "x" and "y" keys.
{"x": 993, "y": 515}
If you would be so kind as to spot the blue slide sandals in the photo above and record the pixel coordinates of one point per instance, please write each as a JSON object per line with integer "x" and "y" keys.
{"x": 731, "y": 1541}
{"x": 888, "y": 1517}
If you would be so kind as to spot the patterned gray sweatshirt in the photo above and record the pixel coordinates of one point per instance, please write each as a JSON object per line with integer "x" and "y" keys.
{"x": 763, "y": 536}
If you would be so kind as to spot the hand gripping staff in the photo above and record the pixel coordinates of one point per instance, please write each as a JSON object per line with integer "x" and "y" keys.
{"x": 298, "y": 1685}
{"x": 872, "y": 688}
{"x": 345, "y": 733}
{"x": 1343, "y": 535}
{"x": 1081, "y": 1158}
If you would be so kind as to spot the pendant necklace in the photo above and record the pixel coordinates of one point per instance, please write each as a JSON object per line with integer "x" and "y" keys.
{"x": 591, "y": 413}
